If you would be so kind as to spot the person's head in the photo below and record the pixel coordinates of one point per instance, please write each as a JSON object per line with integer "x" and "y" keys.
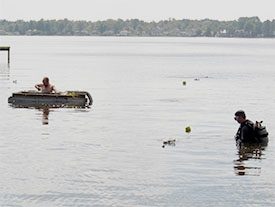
{"x": 240, "y": 116}
{"x": 46, "y": 81}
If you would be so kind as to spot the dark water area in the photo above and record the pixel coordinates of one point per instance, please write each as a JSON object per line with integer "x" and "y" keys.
{"x": 111, "y": 154}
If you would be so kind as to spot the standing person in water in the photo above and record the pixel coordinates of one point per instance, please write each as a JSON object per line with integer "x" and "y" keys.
{"x": 45, "y": 86}
{"x": 245, "y": 132}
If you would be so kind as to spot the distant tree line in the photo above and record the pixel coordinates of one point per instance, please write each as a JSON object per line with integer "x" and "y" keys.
{"x": 249, "y": 27}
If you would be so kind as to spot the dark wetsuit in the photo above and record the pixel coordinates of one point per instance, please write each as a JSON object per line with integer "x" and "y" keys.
{"x": 246, "y": 133}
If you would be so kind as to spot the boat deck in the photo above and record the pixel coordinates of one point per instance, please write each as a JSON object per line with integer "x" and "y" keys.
{"x": 65, "y": 99}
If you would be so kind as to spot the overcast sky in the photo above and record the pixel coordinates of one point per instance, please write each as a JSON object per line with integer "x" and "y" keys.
{"x": 148, "y": 10}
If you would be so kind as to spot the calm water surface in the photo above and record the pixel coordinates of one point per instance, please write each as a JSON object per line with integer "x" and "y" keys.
{"x": 111, "y": 154}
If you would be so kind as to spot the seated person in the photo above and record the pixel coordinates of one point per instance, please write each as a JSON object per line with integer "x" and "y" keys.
{"x": 45, "y": 86}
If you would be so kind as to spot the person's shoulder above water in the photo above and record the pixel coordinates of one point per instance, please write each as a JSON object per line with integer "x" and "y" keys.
{"x": 248, "y": 131}
{"x": 245, "y": 132}
{"x": 45, "y": 86}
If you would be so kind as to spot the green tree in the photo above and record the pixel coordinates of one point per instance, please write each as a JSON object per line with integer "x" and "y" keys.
{"x": 267, "y": 32}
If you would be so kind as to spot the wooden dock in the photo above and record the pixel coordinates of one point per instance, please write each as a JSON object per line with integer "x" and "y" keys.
{"x": 7, "y": 48}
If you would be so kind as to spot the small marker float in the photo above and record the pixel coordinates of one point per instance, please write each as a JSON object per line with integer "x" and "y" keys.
{"x": 188, "y": 129}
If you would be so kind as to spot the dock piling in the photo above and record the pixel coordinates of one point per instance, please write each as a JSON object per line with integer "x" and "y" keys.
{"x": 7, "y": 48}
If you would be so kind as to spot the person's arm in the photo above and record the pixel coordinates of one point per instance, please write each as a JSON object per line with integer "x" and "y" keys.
{"x": 238, "y": 134}
{"x": 54, "y": 89}
{"x": 38, "y": 86}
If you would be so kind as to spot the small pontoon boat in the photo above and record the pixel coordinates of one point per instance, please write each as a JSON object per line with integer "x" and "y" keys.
{"x": 63, "y": 99}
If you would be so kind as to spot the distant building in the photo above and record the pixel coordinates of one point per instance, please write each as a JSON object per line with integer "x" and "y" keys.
{"x": 32, "y": 32}
{"x": 124, "y": 33}
{"x": 241, "y": 33}
{"x": 222, "y": 33}
{"x": 2, "y": 32}
{"x": 108, "y": 33}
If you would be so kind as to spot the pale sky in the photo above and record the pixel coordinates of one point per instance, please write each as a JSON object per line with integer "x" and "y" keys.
{"x": 148, "y": 10}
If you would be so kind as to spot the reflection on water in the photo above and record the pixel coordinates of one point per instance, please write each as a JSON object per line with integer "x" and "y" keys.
{"x": 46, "y": 109}
{"x": 46, "y": 112}
{"x": 247, "y": 153}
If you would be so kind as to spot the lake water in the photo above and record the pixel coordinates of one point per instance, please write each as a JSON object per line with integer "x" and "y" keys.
{"x": 111, "y": 154}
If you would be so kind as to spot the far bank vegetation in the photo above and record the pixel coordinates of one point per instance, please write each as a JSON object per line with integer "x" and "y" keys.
{"x": 248, "y": 27}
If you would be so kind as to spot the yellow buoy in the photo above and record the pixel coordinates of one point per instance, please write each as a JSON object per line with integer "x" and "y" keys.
{"x": 188, "y": 129}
